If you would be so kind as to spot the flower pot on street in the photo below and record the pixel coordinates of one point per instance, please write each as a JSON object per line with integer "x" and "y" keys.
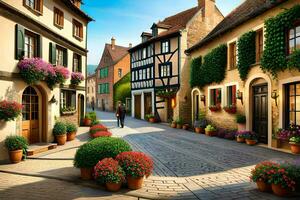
{"x": 16, "y": 156}
{"x": 240, "y": 140}
{"x": 185, "y": 127}
{"x": 179, "y": 126}
{"x": 113, "y": 187}
{"x": 135, "y": 183}
{"x": 295, "y": 148}
{"x": 210, "y": 133}
{"x": 199, "y": 130}
{"x": 264, "y": 187}
{"x": 87, "y": 122}
{"x": 279, "y": 191}
{"x": 152, "y": 120}
{"x": 61, "y": 139}
{"x": 71, "y": 136}
{"x": 173, "y": 125}
{"x": 86, "y": 173}
{"x": 251, "y": 142}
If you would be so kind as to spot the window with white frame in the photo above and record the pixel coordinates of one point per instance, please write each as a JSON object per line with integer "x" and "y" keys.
{"x": 165, "y": 70}
{"x": 165, "y": 46}
{"x": 215, "y": 97}
{"x": 144, "y": 53}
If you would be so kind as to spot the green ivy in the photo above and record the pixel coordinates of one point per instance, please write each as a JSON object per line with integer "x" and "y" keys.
{"x": 195, "y": 71}
{"x": 274, "y": 57}
{"x": 294, "y": 60}
{"x": 246, "y": 53}
{"x": 122, "y": 89}
{"x": 214, "y": 66}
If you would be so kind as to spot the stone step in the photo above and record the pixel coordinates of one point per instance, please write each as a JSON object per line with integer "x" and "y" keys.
{"x": 40, "y": 148}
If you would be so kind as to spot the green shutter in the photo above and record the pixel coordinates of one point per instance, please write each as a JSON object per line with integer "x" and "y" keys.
{"x": 65, "y": 61}
{"x": 52, "y": 53}
{"x": 20, "y": 42}
{"x": 39, "y": 46}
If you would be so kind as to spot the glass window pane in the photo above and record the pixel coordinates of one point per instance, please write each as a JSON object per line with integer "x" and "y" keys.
{"x": 297, "y": 31}
{"x": 292, "y": 90}
{"x": 292, "y": 46}
{"x": 292, "y": 103}
{"x": 298, "y": 89}
{"x": 292, "y": 33}
{"x": 298, "y": 103}
{"x": 292, "y": 118}
{"x": 298, "y": 118}
{"x": 298, "y": 43}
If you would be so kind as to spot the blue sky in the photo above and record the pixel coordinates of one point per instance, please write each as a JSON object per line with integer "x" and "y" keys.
{"x": 127, "y": 19}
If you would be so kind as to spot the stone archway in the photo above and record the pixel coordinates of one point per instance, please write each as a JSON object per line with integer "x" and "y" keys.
{"x": 258, "y": 101}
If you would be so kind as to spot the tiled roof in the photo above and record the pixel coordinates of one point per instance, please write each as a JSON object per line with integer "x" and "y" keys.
{"x": 246, "y": 11}
{"x": 115, "y": 54}
{"x": 78, "y": 11}
{"x": 173, "y": 23}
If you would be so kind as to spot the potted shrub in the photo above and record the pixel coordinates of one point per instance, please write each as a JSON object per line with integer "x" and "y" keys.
{"x": 71, "y": 131}
{"x": 9, "y": 110}
{"x": 179, "y": 123}
{"x": 89, "y": 154}
{"x": 185, "y": 126}
{"x": 295, "y": 144}
{"x": 201, "y": 123}
{"x": 241, "y": 121}
{"x": 261, "y": 176}
{"x": 102, "y": 134}
{"x": 109, "y": 172}
{"x": 240, "y": 136}
{"x": 173, "y": 124}
{"x": 215, "y": 108}
{"x": 151, "y": 118}
{"x": 230, "y": 135}
{"x": 60, "y": 133}
{"x": 282, "y": 181}
{"x": 210, "y": 130}
{"x": 87, "y": 121}
{"x": 251, "y": 138}
{"x": 136, "y": 165}
{"x": 98, "y": 128}
{"x": 17, "y": 147}
{"x": 231, "y": 109}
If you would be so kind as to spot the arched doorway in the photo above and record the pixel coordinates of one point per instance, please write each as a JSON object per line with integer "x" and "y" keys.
{"x": 195, "y": 94}
{"x": 31, "y": 116}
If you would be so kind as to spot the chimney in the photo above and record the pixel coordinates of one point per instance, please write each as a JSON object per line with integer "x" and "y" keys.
{"x": 207, "y": 6}
{"x": 77, "y": 3}
{"x": 113, "y": 43}
{"x": 130, "y": 45}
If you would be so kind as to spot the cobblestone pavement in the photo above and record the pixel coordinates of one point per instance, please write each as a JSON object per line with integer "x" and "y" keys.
{"x": 187, "y": 166}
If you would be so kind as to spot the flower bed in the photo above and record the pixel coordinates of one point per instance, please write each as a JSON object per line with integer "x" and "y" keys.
{"x": 101, "y": 134}
{"x": 9, "y": 110}
{"x": 76, "y": 78}
{"x": 96, "y": 128}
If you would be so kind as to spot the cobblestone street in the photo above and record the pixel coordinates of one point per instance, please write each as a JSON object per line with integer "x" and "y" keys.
{"x": 187, "y": 166}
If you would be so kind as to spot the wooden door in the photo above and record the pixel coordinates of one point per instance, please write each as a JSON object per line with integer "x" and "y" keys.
{"x": 260, "y": 112}
{"x": 137, "y": 106}
{"x": 148, "y": 103}
{"x": 30, "y": 113}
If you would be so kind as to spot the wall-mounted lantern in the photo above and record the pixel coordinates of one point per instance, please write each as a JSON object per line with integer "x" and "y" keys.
{"x": 53, "y": 100}
{"x": 239, "y": 96}
{"x": 203, "y": 99}
{"x": 275, "y": 96}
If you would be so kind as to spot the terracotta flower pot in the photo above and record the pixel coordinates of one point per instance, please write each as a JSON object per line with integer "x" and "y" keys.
{"x": 135, "y": 183}
{"x": 241, "y": 127}
{"x": 199, "y": 130}
{"x": 87, "y": 122}
{"x": 61, "y": 139}
{"x": 173, "y": 125}
{"x": 16, "y": 156}
{"x": 179, "y": 126}
{"x": 210, "y": 133}
{"x": 295, "y": 148}
{"x": 185, "y": 127}
{"x": 86, "y": 173}
{"x": 279, "y": 191}
{"x": 152, "y": 120}
{"x": 113, "y": 187}
{"x": 71, "y": 136}
{"x": 240, "y": 140}
{"x": 264, "y": 187}
{"x": 251, "y": 142}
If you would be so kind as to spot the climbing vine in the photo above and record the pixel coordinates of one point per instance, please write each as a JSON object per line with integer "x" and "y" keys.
{"x": 246, "y": 53}
{"x": 214, "y": 66}
{"x": 274, "y": 57}
{"x": 195, "y": 71}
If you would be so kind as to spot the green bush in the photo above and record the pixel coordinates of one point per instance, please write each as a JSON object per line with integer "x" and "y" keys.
{"x": 122, "y": 89}
{"x": 210, "y": 128}
{"x": 70, "y": 127}
{"x": 89, "y": 154}
{"x": 240, "y": 119}
{"x": 195, "y": 71}
{"x": 15, "y": 142}
{"x": 59, "y": 129}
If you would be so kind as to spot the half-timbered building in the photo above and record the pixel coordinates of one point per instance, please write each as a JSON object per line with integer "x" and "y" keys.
{"x": 158, "y": 61}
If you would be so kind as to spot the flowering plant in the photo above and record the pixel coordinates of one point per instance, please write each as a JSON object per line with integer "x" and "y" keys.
{"x": 281, "y": 176}
{"x": 97, "y": 128}
{"x": 286, "y": 134}
{"x": 108, "y": 170}
{"x": 9, "y": 110}
{"x": 249, "y": 135}
{"x": 59, "y": 77}
{"x": 230, "y": 109}
{"x": 33, "y": 70}
{"x": 262, "y": 171}
{"x": 215, "y": 108}
{"x": 241, "y": 134}
{"x": 102, "y": 134}
{"x": 135, "y": 164}
{"x": 76, "y": 78}
{"x": 295, "y": 140}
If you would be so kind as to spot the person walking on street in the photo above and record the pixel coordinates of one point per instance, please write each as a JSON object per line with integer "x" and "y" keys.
{"x": 118, "y": 113}
{"x": 123, "y": 114}
{"x": 93, "y": 104}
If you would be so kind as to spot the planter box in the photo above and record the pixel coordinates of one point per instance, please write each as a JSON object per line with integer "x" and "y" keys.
{"x": 68, "y": 112}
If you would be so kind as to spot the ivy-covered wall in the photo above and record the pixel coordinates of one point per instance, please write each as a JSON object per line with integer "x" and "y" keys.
{"x": 195, "y": 71}
{"x": 246, "y": 53}
{"x": 122, "y": 89}
{"x": 274, "y": 57}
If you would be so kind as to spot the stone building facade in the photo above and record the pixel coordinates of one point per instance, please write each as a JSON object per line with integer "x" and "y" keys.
{"x": 54, "y": 31}
{"x": 260, "y": 93}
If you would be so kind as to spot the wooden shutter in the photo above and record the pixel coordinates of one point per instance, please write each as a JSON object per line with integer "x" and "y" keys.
{"x": 65, "y": 61}
{"x": 52, "y": 53}
{"x": 20, "y": 42}
{"x": 234, "y": 94}
{"x": 39, "y": 46}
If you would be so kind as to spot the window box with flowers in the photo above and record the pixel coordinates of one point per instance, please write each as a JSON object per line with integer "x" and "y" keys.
{"x": 68, "y": 110}
{"x": 215, "y": 99}
{"x": 60, "y": 76}
{"x": 76, "y": 78}
{"x": 9, "y": 110}
{"x": 166, "y": 94}
{"x": 230, "y": 109}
